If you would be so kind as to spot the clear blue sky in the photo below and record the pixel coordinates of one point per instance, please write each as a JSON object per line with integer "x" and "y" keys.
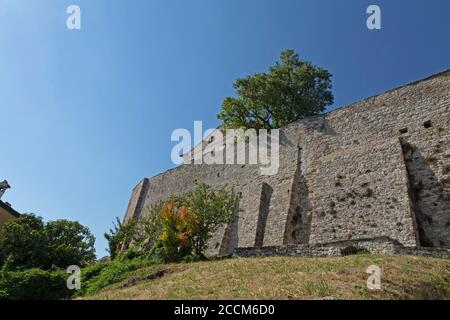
{"x": 87, "y": 114}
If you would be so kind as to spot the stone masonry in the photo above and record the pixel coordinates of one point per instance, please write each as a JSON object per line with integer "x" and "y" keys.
{"x": 377, "y": 169}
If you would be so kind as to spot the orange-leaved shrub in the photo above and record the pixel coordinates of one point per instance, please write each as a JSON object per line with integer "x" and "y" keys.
{"x": 178, "y": 227}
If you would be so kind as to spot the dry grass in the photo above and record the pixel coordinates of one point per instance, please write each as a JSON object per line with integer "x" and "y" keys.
{"x": 403, "y": 277}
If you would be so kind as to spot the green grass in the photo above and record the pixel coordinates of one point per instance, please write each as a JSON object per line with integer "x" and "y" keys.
{"x": 403, "y": 277}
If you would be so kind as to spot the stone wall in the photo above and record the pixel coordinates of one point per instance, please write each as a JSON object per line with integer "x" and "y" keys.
{"x": 345, "y": 248}
{"x": 137, "y": 200}
{"x": 361, "y": 192}
{"x": 377, "y": 168}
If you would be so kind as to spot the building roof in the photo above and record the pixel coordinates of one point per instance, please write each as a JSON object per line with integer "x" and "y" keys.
{"x": 9, "y": 209}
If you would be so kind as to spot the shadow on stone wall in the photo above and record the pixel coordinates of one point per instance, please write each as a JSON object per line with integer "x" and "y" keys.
{"x": 264, "y": 205}
{"x": 230, "y": 238}
{"x": 430, "y": 202}
{"x": 298, "y": 223}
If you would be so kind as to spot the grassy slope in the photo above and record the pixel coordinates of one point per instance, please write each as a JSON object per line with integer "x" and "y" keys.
{"x": 402, "y": 277}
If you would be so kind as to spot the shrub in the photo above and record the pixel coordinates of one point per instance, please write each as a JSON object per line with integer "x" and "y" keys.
{"x": 119, "y": 236}
{"x": 177, "y": 229}
{"x": 92, "y": 271}
{"x": 212, "y": 209}
{"x": 179, "y": 225}
{"x": 97, "y": 277}
{"x": 137, "y": 236}
{"x": 34, "y": 284}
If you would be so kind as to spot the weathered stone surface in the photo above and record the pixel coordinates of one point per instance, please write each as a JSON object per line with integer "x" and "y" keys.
{"x": 375, "y": 246}
{"x": 137, "y": 200}
{"x": 377, "y": 168}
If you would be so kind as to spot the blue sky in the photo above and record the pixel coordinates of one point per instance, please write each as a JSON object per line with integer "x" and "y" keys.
{"x": 86, "y": 114}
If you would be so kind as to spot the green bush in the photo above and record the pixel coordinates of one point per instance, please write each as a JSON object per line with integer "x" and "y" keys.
{"x": 136, "y": 235}
{"x": 34, "y": 284}
{"x": 98, "y": 276}
{"x": 213, "y": 208}
{"x": 89, "y": 273}
{"x": 34, "y": 256}
{"x": 177, "y": 229}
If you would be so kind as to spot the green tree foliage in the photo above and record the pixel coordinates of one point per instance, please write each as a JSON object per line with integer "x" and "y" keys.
{"x": 23, "y": 244}
{"x": 123, "y": 235}
{"x": 69, "y": 243}
{"x": 213, "y": 209}
{"x": 135, "y": 237}
{"x": 27, "y": 243}
{"x": 115, "y": 238}
{"x": 34, "y": 256}
{"x": 291, "y": 90}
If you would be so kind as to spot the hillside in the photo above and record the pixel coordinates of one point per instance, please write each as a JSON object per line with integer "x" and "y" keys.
{"x": 403, "y": 277}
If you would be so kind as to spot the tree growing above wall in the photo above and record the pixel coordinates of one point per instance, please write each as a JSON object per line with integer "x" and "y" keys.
{"x": 291, "y": 90}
